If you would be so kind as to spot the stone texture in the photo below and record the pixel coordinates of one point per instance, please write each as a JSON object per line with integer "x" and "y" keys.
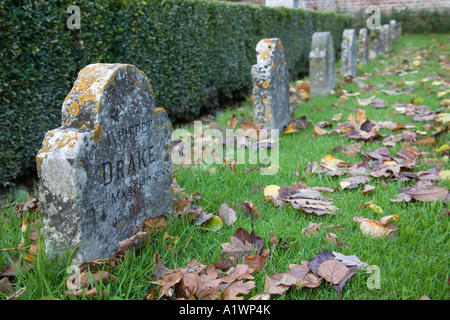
{"x": 322, "y": 64}
{"x": 385, "y": 30}
{"x": 271, "y": 85}
{"x": 382, "y": 36}
{"x": 374, "y": 44}
{"x": 363, "y": 46}
{"x": 348, "y": 53}
{"x": 392, "y": 31}
{"x": 108, "y": 167}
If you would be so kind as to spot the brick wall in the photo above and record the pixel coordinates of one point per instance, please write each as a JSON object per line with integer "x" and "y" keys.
{"x": 359, "y": 5}
{"x": 386, "y": 5}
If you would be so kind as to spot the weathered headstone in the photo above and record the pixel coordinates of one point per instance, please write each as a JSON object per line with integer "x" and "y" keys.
{"x": 108, "y": 167}
{"x": 363, "y": 48}
{"x": 348, "y": 53}
{"x": 385, "y": 30}
{"x": 374, "y": 44}
{"x": 398, "y": 31}
{"x": 271, "y": 85}
{"x": 322, "y": 64}
{"x": 392, "y": 30}
{"x": 381, "y": 37}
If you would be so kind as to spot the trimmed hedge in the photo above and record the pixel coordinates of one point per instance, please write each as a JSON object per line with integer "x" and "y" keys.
{"x": 195, "y": 53}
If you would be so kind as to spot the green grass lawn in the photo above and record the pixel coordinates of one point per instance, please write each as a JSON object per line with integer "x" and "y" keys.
{"x": 413, "y": 264}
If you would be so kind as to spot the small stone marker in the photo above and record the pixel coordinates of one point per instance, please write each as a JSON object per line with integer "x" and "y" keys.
{"x": 398, "y": 31}
{"x": 386, "y": 36}
{"x": 322, "y": 64}
{"x": 363, "y": 48}
{"x": 271, "y": 85}
{"x": 108, "y": 167}
{"x": 393, "y": 30}
{"x": 381, "y": 36}
{"x": 348, "y": 53}
{"x": 374, "y": 44}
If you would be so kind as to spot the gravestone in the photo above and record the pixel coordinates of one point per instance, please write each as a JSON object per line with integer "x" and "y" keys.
{"x": 322, "y": 64}
{"x": 381, "y": 36}
{"x": 271, "y": 85}
{"x": 374, "y": 44}
{"x": 385, "y": 30}
{"x": 363, "y": 48}
{"x": 348, "y": 53}
{"x": 393, "y": 30}
{"x": 398, "y": 29}
{"x": 108, "y": 167}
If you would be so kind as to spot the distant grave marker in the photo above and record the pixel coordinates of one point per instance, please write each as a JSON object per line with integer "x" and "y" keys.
{"x": 363, "y": 48}
{"x": 322, "y": 64}
{"x": 348, "y": 53}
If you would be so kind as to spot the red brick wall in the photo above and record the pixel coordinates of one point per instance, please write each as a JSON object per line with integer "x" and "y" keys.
{"x": 358, "y": 5}
{"x": 387, "y": 5}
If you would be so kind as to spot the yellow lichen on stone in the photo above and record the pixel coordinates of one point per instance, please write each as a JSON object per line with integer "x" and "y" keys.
{"x": 98, "y": 133}
{"x": 266, "y": 101}
{"x": 168, "y": 126}
{"x": 266, "y": 84}
{"x": 98, "y": 106}
{"x": 74, "y": 108}
{"x": 267, "y": 115}
{"x": 79, "y": 164}
{"x": 137, "y": 84}
{"x": 159, "y": 110}
{"x": 83, "y": 126}
{"x": 85, "y": 97}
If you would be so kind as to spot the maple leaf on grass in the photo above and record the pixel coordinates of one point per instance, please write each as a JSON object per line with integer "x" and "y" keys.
{"x": 242, "y": 244}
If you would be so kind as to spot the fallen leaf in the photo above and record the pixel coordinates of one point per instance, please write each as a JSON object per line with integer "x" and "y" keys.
{"x": 250, "y": 210}
{"x": 376, "y": 228}
{"x": 333, "y": 271}
{"x": 227, "y": 214}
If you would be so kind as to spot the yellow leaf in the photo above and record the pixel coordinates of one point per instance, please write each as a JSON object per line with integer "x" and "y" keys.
{"x": 290, "y": 128}
{"x": 442, "y": 93}
{"x": 331, "y": 160}
{"x": 443, "y": 117}
{"x": 376, "y": 208}
{"x": 444, "y": 174}
{"x": 390, "y": 163}
{"x": 271, "y": 190}
{"x": 344, "y": 184}
{"x": 442, "y": 148}
{"x": 416, "y": 63}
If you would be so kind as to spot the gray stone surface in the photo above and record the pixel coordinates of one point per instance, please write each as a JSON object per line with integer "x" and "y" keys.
{"x": 348, "y": 53}
{"x": 385, "y": 30}
{"x": 363, "y": 46}
{"x": 108, "y": 167}
{"x": 382, "y": 36}
{"x": 271, "y": 85}
{"x": 374, "y": 44}
{"x": 392, "y": 30}
{"x": 322, "y": 62}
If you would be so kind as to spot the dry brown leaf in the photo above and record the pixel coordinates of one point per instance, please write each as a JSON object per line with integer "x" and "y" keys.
{"x": 251, "y": 210}
{"x": 227, "y": 214}
{"x": 238, "y": 288}
{"x": 333, "y": 271}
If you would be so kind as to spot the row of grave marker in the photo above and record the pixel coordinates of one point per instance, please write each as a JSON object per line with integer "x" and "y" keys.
{"x": 108, "y": 167}
{"x": 271, "y": 78}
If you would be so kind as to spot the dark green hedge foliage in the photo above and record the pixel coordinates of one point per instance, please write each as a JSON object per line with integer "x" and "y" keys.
{"x": 195, "y": 53}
